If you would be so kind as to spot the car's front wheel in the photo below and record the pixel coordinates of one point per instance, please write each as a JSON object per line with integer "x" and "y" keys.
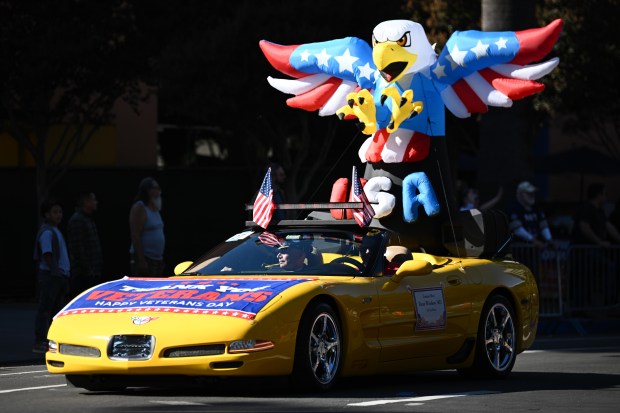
{"x": 496, "y": 349}
{"x": 318, "y": 352}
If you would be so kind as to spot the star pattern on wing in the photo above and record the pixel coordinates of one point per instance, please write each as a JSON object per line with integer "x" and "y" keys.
{"x": 346, "y": 61}
{"x": 367, "y": 71}
{"x": 453, "y": 64}
{"x": 501, "y": 43}
{"x": 323, "y": 58}
{"x": 439, "y": 71}
{"x": 458, "y": 56}
{"x": 480, "y": 50}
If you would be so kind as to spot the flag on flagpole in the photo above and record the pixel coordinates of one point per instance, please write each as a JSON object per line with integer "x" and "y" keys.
{"x": 364, "y": 215}
{"x": 263, "y": 204}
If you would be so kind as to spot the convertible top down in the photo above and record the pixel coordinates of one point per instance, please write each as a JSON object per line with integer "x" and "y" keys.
{"x": 361, "y": 304}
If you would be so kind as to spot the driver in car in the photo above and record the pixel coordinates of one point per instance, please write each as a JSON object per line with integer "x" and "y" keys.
{"x": 291, "y": 256}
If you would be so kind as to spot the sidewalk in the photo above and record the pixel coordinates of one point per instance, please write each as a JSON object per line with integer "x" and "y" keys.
{"x": 17, "y": 331}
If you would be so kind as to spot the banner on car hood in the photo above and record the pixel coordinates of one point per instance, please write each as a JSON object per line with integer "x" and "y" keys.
{"x": 240, "y": 298}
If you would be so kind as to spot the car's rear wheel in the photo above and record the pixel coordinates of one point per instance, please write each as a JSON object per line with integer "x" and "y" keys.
{"x": 318, "y": 352}
{"x": 496, "y": 349}
{"x": 92, "y": 383}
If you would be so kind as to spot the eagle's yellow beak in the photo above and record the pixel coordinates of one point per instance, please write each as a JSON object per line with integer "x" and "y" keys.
{"x": 392, "y": 60}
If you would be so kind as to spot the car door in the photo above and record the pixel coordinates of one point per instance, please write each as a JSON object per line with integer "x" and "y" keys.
{"x": 425, "y": 314}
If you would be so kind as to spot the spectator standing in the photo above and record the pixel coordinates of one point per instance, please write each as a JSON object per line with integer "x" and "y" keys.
{"x": 278, "y": 180}
{"x": 469, "y": 198}
{"x": 147, "y": 231}
{"x": 84, "y": 245}
{"x": 591, "y": 225}
{"x": 527, "y": 222}
{"x": 54, "y": 271}
{"x": 592, "y": 235}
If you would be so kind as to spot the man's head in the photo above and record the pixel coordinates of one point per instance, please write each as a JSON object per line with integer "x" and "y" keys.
{"x": 526, "y": 194}
{"x": 87, "y": 202}
{"x": 278, "y": 176}
{"x": 291, "y": 256}
{"x": 149, "y": 192}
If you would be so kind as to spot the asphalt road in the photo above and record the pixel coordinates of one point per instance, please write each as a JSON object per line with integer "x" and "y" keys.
{"x": 562, "y": 374}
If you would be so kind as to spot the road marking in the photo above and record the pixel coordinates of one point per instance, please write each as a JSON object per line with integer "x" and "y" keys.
{"x": 415, "y": 400}
{"x": 32, "y": 388}
{"x": 177, "y": 403}
{"x": 23, "y": 372}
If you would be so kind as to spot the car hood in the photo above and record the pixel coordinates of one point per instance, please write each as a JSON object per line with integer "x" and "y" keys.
{"x": 238, "y": 297}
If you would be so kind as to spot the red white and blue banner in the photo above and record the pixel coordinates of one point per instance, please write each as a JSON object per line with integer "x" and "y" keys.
{"x": 240, "y": 298}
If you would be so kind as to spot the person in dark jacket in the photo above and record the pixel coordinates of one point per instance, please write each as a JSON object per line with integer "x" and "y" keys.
{"x": 84, "y": 245}
{"x": 591, "y": 223}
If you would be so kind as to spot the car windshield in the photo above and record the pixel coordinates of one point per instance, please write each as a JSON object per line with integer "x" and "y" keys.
{"x": 307, "y": 251}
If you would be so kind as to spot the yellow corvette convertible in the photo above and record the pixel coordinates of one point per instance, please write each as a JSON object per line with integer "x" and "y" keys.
{"x": 313, "y": 299}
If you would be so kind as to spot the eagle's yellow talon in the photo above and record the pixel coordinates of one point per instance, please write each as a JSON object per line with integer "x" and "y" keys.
{"x": 362, "y": 106}
{"x": 403, "y": 107}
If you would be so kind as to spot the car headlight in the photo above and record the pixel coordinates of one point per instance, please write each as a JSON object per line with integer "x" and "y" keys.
{"x": 52, "y": 346}
{"x": 246, "y": 346}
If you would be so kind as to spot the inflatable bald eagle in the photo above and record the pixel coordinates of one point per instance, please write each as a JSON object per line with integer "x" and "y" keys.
{"x": 398, "y": 89}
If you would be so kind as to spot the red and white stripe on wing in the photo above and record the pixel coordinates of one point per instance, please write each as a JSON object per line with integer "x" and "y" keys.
{"x": 320, "y": 92}
{"x": 498, "y": 85}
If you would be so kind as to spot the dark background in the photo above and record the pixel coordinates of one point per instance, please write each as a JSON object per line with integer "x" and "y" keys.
{"x": 202, "y": 206}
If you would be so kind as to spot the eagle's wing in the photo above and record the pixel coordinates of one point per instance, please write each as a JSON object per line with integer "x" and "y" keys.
{"x": 324, "y": 72}
{"x": 479, "y": 69}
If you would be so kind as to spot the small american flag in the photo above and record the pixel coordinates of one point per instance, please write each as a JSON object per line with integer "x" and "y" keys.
{"x": 263, "y": 204}
{"x": 364, "y": 215}
{"x": 270, "y": 239}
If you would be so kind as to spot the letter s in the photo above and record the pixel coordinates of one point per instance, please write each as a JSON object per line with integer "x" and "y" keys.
{"x": 382, "y": 202}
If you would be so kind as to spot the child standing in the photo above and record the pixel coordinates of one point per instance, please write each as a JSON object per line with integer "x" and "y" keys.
{"x": 53, "y": 271}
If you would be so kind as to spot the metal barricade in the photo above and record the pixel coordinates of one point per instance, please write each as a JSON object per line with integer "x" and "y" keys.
{"x": 548, "y": 267}
{"x": 593, "y": 280}
{"x": 575, "y": 280}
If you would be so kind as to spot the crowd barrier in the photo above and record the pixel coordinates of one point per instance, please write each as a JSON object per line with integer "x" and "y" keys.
{"x": 573, "y": 280}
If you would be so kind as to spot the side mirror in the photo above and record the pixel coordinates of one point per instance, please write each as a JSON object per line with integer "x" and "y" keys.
{"x": 180, "y": 268}
{"x": 411, "y": 268}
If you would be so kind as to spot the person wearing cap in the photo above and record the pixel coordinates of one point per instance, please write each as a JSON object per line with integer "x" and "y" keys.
{"x": 292, "y": 256}
{"x": 527, "y": 222}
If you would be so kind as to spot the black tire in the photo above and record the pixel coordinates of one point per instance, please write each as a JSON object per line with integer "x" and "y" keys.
{"x": 318, "y": 351}
{"x": 496, "y": 347}
{"x": 92, "y": 383}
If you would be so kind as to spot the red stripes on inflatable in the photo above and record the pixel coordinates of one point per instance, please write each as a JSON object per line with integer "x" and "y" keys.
{"x": 279, "y": 55}
{"x": 534, "y": 44}
{"x": 469, "y": 97}
{"x": 315, "y": 98}
{"x": 418, "y": 147}
{"x": 373, "y": 152}
{"x": 513, "y": 88}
